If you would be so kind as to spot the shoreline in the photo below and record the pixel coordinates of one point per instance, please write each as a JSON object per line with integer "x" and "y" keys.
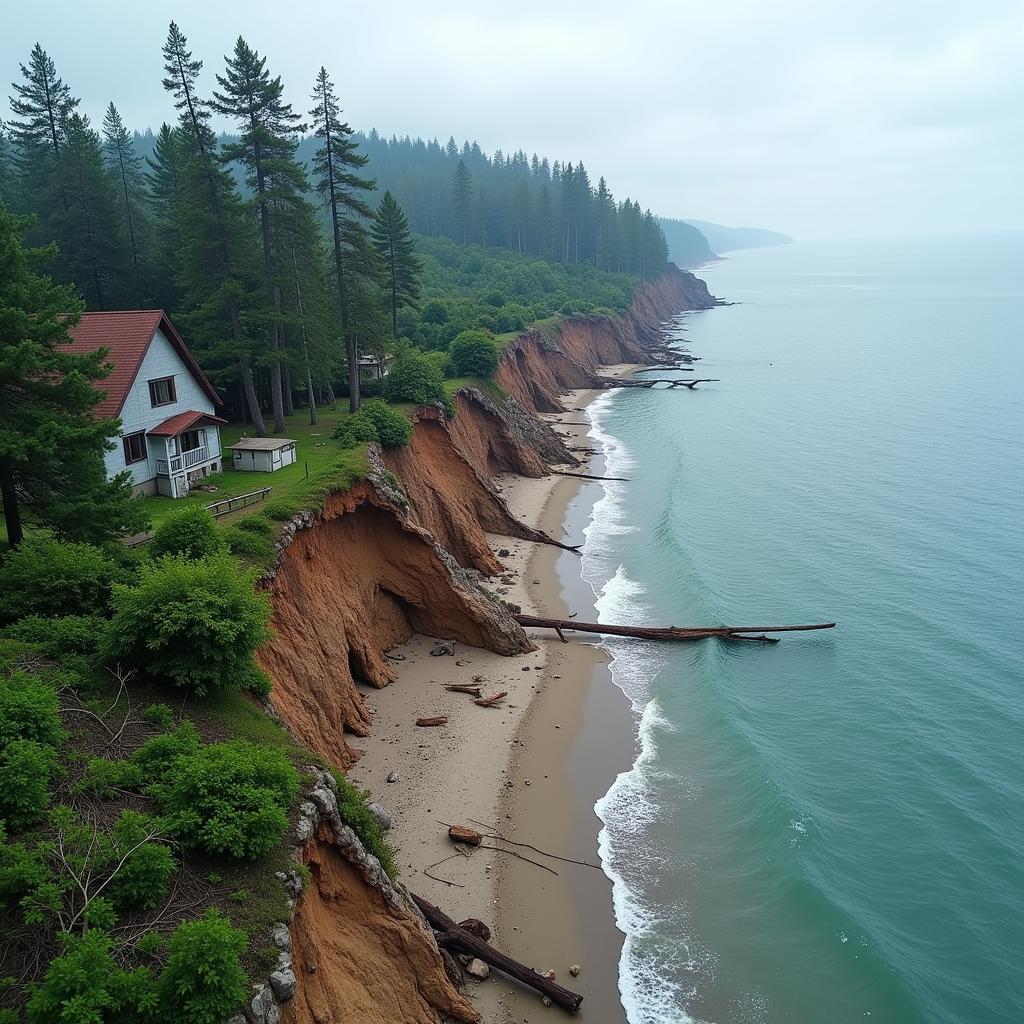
{"x": 473, "y": 769}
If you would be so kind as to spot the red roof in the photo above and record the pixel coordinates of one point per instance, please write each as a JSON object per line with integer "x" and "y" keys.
{"x": 127, "y": 335}
{"x": 183, "y": 421}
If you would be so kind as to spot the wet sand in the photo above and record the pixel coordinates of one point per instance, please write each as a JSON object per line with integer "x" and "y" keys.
{"x": 564, "y": 727}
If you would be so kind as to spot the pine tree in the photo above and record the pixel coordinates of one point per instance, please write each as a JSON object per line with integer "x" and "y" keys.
{"x": 215, "y": 247}
{"x": 402, "y": 267}
{"x": 7, "y": 177}
{"x": 125, "y": 166}
{"x": 340, "y": 188}
{"x": 164, "y": 183}
{"x": 90, "y": 233}
{"x": 266, "y": 149}
{"x": 51, "y": 444}
{"x": 462, "y": 197}
{"x": 41, "y": 106}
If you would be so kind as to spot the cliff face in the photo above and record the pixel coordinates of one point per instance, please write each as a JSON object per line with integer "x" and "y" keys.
{"x": 361, "y": 579}
{"x": 539, "y": 366}
{"x": 449, "y": 496}
{"x": 378, "y": 564}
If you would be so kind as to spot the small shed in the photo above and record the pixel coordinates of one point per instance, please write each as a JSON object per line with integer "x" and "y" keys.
{"x": 262, "y": 454}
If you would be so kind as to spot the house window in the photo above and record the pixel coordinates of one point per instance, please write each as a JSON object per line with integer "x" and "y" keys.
{"x": 134, "y": 448}
{"x": 161, "y": 392}
{"x": 190, "y": 440}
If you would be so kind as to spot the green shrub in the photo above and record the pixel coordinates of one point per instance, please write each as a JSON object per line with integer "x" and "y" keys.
{"x": 203, "y": 982}
{"x": 47, "y": 577}
{"x": 189, "y": 533}
{"x": 413, "y": 378}
{"x": 281, "y": 509}
{"x": 26, "y": 768}
{"x": 474, "y": 354}
{"x": 160, "y": 716}
{"x": 194, "y": 624}
{"x": 448, "y": 404}
{"x": 106, "y": 778}
{"x": 229, "y": 799}
{"x": 247, "y": 544}
{"x": 355, "y": 430}
{"x": 392, "y": 427}
{"x": 21, "y": 869}
{"x": 353, "y": 808}
{"x": 29, "y": 711}
{"x": 156, "y": 756}
{"x": 434, "y": 312}
{"x": 84, "y": 985}
{"x": 58, "y": 638}
{"x": 143, "y": 878}
{"x": 256, "y": 524}
{"x": 441, "y": 362}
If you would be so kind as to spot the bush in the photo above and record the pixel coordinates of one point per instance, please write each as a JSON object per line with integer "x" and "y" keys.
{"x": 194, "y": 624}
{"x": 29, "y": 711}
{"x": 105, "y": 778}
{"x": 413, "y": 378}
{"x": 189, "y": 533}
{"x": 281, "y": 509}
{"x": 57, "y": 638}
{"x": 26, "y": 768}
{"x": 353, "y": 808}
{"x": 203, "y": 982}
{"x": 392, "y": 427}
{"x": 47, "y": 577}
{"x": 256, "y": 524}
{"x": 434, "y": 312}
{"x": 229, "y": 799}
{"x": 142, "y": 879}
{"x": 474, "y": 354}
{"x": 155, "y": 757}
{"x": 160, "y": 716}
{"x": 441, "y": 362}
{"x": 247, "y": 544}
{"x": 355, "y": 430}
{"x": 84, "y": 985}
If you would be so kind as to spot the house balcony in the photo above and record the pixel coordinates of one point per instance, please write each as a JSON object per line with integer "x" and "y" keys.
{"x": 186, "y": 461}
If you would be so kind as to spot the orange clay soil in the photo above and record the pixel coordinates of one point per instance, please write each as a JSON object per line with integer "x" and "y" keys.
{"x": 357, "y": 958}
{"x": 359, "y": 581}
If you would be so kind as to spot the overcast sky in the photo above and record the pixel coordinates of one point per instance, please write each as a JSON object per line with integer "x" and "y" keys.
{"x": 813, "y": 117}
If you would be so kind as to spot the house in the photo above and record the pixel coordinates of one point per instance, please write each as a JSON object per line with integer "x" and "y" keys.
{"x": 374, "y": 367}
{"x": 170, "y": 437}
{"x": 262, "y": 454}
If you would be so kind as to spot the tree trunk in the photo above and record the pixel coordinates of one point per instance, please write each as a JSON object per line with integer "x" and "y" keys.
{"x": 307, "y": 369}
{"x": 9, "y": 496}
{"x": 249, "y": 390}
{"x": 286, "y": 388}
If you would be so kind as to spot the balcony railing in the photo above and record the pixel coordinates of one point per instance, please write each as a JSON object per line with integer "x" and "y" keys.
{"x": 182, "y": 462}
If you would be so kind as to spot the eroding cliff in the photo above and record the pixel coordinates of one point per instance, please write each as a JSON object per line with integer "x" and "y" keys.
{"x": 359, "y": 579}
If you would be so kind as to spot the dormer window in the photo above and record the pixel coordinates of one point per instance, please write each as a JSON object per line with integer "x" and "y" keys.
{"x": 161, "y": 391}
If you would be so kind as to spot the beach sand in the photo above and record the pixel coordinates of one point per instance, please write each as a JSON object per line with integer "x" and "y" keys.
{"x": 563, "y": 726}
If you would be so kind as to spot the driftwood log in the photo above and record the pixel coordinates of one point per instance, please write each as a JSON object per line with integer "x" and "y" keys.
{"x": 667, "y": 632}
{"x": 449, "y": 934}
{"x": 586, "y": 476}
{"x": 494, "y": 698}
{"x": 471, "y": 688}
{"x": 615, "y": 382}
{"x": 433, "y": 720}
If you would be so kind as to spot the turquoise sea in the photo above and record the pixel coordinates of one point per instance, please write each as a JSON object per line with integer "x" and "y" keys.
{"x": 831, "y": 829}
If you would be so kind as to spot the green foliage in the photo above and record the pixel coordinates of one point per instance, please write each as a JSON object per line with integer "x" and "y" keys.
{"x": 256, "y": 524}
{"x": 143, "y": 879}
{"x": 203, "y": 982}
{"x": 159, "y": 715}
{"x": 355, "y": 430}
{"x": 393, "y": 428}
{"x": 52, "y": 578}
{"x": 474, "y": 354}
{"x": 57, "y": 638}
{"x": 248, "y": 544}
{"x": 353, "y": 808}
{"x": 441, "y": 362}
{"x": 229, "y": 799}
{"x": 22, "y": 868}
{"x": 85, "y": 985}
{"x": 105, "y": 778}
{"x": 189, "y": 533}
{"x": 394, "y": 244}
{"x": 194, "y": 624}
{"x": 26, "y": 768}
{"x": 413, "y": 378}
{"x": 29, "y": 711}
{"x": 154, "y": 759}
{"x": 281, "y": 509}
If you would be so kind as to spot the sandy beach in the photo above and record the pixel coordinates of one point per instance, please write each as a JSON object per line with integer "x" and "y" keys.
{"x": 529, "y": 769}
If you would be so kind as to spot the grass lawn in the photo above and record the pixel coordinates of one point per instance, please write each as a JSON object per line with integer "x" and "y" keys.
{"x": 317, "y": 453}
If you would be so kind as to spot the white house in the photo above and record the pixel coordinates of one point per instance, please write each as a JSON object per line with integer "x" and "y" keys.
{"x": 170, "y": 437}
{"x": 374, "y": 367}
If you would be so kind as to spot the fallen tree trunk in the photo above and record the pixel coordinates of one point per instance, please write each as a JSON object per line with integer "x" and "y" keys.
{"x": 451, "y": 934}
{"x": 472, "y": 690}
{"x": 615, "y": 382}
{"x": 434, "y": 720}
{"x": 667, "y": 632}
{"x": 587, "y": 476}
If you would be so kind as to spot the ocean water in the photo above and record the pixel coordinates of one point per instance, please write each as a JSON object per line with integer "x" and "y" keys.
{"x": 831, "y": 829}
